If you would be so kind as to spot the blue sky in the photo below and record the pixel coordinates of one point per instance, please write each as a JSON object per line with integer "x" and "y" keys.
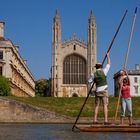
{"x": 28, "y": 23}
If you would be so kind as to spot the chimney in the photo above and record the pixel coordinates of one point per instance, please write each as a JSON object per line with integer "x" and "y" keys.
{"x": 2, "y": 29}
{"x": 17, "y": 47}
{"x": 137, "y": 67}
{"x": 25, "y": 61}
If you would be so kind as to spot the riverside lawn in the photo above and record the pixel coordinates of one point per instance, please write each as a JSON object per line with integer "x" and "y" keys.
{"x": 71, "y": 106}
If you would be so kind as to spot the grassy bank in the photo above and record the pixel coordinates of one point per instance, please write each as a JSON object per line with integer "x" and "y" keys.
{"x": 72, "y": 106}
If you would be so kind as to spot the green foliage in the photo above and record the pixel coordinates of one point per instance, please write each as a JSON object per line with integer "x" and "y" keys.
{"x": 41, "y": 87}
{"x": 5, "y": 89}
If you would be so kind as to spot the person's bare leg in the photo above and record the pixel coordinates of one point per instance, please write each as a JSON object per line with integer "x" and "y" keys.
{"x": 130, "y": 120}
{"x": 121, "y": 120}
{"x": 95, "y": 113}
{"x": 105, "y": 106}
{"x": 105, "y": 113}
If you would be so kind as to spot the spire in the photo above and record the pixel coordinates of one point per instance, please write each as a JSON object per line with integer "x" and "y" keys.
{"x": 91, "y": 20}
{"x": 56, "y": 18}
{"x": 91, "y": 51}
{"x": 56, "y": 27}
{"x": 91, "y": 16}
{"x": 57, "y": 14}
{"x": 56, "y": 11}
{"x": 91, "y": 13}
{"x": 74, "y": 36}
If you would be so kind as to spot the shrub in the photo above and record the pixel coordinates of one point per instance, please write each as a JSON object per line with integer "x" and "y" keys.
{"x": 5, "y": 89}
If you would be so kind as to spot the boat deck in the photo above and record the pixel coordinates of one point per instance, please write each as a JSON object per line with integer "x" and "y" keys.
{"x": 108, "y": 128}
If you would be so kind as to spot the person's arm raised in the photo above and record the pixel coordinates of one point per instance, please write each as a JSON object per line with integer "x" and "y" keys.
{"x": 108, "y": 59}
{"x": 127, "y": 76}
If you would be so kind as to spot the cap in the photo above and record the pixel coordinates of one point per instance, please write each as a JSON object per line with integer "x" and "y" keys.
{"x": 98, "y": 65}
{"x": 122, "y": 72}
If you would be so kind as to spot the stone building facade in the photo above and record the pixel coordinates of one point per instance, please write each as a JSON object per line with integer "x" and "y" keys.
{"x": 134, "y": 76}
{"x": 73, "y": 61}
{"x": 13, "y": 67}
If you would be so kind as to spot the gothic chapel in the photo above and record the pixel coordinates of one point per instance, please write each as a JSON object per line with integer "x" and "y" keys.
{"x": 73, "y": 61}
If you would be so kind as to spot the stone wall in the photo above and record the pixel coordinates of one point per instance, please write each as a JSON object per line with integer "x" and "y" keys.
{"x": 15, "y": 111}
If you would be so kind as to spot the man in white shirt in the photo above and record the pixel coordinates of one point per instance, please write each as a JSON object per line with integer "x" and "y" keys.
{"x": 101, "y": 94}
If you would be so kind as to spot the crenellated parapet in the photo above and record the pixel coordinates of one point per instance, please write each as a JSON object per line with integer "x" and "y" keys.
{"x": 74, "y": 38}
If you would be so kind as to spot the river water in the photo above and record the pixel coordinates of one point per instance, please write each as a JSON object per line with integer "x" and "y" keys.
{"x": 57, "y": 132}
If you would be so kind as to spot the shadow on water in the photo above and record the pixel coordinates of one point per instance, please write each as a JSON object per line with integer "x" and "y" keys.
{"x": 56, "y": 132}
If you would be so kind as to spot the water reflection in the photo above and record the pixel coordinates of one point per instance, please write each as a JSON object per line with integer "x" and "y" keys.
{"x": 56, "y": 132}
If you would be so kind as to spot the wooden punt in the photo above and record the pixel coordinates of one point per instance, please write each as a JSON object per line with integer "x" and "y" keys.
{"x": 109, "y": 128}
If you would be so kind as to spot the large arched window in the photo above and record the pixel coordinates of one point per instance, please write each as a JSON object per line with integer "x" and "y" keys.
{"x": 74, "y": 70}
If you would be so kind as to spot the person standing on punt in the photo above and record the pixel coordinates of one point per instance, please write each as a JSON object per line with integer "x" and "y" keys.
{"x": 101, "y": 93}
{"x": 126, "y": 102}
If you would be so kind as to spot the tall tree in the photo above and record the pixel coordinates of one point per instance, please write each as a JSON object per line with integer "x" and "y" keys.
{"x": 42, "y": 87}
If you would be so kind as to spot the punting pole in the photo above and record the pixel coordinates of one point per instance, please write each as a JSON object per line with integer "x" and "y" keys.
{"x": 102, "y": 65}
{"x": 130, "y": 38}
{"x": 126, "y": 58}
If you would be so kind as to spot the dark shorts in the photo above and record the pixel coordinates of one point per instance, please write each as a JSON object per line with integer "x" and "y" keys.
{"x": 101, "y": 97}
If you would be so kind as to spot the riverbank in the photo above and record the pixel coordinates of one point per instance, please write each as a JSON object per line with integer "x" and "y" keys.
{"x": 71, "y": 106}
{"x": 12, "y": 111}
{"x": 53, "y": 110}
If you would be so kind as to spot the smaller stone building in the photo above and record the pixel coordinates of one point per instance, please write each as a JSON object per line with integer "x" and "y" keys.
{"x": 13, "y": 67}
{"x": 134, "y": 76}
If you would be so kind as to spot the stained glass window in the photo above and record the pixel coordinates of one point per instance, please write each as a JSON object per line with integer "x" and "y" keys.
{"x": 74, "y": 70}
